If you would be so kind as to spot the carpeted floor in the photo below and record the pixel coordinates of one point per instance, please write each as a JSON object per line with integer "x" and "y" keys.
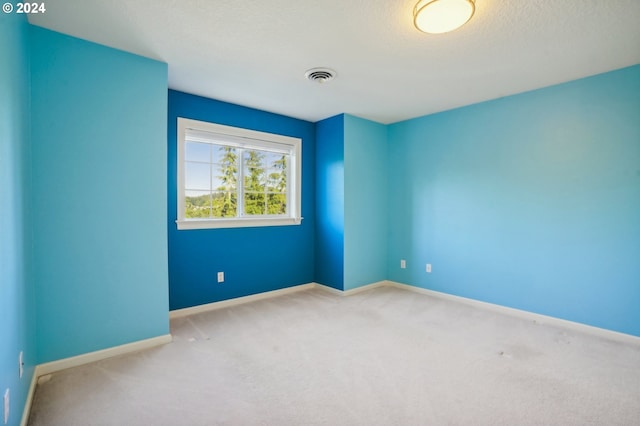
{"x": 381, "y": 357}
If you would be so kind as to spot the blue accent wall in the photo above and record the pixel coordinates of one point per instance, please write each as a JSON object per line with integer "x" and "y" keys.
{"x": 17, "y": 302}
{"x": 365, "y": 202}
{"x": 530, "y": 201}
{"x": 329, "y": 192}
{"x": 254, "y": 260}
{"x": 99, "y": 195}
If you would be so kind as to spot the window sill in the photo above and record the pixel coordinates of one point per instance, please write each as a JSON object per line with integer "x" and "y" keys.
{"x": 236, "y": 223}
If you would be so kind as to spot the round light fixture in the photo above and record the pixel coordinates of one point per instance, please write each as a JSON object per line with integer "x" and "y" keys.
{"x": 442, "y": 16}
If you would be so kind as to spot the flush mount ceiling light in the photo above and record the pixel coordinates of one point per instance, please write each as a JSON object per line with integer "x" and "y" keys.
{"x": 442, "y": 16}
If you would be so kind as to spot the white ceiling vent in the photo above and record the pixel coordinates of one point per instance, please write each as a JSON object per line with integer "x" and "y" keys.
{"x": 320, "y": 75}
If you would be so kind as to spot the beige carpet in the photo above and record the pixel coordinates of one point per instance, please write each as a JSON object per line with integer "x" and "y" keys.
{"x": 382, "y": 357}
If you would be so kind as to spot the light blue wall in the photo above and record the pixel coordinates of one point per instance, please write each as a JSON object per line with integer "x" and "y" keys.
{"x": 365, "y": 202}
{"x": 329, "y": 192}
{"x": 254, "y": 260}
{"x": 99, "y": 195}
{"x": 17, "y": 314}
{"x": 530, "y": 201}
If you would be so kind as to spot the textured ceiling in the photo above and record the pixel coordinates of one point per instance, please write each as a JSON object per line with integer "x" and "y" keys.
{"x": 255, "y": 53}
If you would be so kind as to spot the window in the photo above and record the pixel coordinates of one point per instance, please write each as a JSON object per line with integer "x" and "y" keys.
{"x": 230, "y": 177}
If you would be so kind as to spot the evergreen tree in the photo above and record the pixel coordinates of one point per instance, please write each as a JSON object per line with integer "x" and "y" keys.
{"x": 225, "y": 202}
{"x": 277, "y": 202}
{"x": 254, "y": 185}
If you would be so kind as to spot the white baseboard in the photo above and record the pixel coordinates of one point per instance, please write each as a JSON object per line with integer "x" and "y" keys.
{"x": 529, "y": 316}
{"x": 178, "y": 313}
{"x": 365, "y": 288}
{"x": 351, "y": 291}
{"x": 27, "y": 405}
{"x": 328, "y": 289}
{"x": 63, "y": 364}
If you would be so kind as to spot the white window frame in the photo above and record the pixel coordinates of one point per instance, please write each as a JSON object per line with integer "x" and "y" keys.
{"x": 239, "y": 137}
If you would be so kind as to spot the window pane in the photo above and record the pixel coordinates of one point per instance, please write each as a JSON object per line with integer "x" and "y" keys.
{"x": 218, "y": 184}
{"x": 276, "y": 181}
{"x": 277, "y": 173}
{"x": 226, "y": 168}
{"x": 225, "y": 204}
{"x": 271, "y": 158}
{"x": 195, "y": 151}
{"x": 197, "y": 204}
{"x": 254, "y": 203}
{"x": 255, "y": 180}
{"x": 197, "y": 176}
{"x": 254, "y": 171}
{"x": 276, "y": 203}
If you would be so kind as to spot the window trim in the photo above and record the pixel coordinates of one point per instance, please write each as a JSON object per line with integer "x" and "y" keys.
{"x": 250, "y": 138}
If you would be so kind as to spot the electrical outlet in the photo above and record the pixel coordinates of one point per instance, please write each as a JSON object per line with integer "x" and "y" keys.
{"x": 428, "y": 268}
{"x": 220, "y": 277}
{"x": 403, "y": 264}
{"x": 6, "y": 406}
{"x": 21, "y": 364}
